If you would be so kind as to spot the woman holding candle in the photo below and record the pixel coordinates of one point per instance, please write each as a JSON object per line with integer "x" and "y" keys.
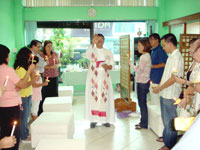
{"x": 22, "y": 62}
{"x": 142, "y": 79}
{"x": 193, "y": 75}
{"x": 10, "y": 101}
{"x": 51, "y": 71}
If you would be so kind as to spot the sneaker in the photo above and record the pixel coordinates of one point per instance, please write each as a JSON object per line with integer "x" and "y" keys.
{"x": 93, "y": 124}
{"x": 106, "y": 124}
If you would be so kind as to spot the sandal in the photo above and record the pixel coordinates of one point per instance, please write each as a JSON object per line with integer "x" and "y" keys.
{"x": 160, "y": 139}
{"x": 138, "y": 127}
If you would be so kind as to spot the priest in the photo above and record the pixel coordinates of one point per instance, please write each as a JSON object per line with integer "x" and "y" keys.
{"x": 99, "y": 100}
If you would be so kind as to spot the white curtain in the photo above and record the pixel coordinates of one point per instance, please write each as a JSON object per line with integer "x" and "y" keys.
{"x": 61, "y": 3}
{"x": 30, "y": 31}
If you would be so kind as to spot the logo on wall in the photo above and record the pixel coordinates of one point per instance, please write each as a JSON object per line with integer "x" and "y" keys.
{"x": 92, "y": 12}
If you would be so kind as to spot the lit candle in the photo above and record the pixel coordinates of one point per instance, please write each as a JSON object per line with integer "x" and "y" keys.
{"x": 54, "y": 61}
{"x": 47, "y": 79}
{"x": 13, "y": 129}
{"x": 32, "y": 58}
{"x": 6, "y": 81}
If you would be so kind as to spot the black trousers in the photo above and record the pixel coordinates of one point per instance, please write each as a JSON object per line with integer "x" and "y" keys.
{"x": 51, "y": 90}
{"x": 7, "y": 116}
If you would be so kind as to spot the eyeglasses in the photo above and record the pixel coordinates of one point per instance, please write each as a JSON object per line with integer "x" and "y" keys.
{"x": 192, "y": 53}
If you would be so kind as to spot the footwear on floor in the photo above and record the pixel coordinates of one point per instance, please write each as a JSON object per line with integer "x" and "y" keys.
{"x": 93, "y": 124}
{"x": 106, "y": 124}
{"x": 139, "y": 127}
{"x": 164, "y": 148}
{"x": 160, "y": 139}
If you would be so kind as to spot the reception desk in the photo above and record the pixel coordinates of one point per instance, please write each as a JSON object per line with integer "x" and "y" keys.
{"x": 79, "y": 78}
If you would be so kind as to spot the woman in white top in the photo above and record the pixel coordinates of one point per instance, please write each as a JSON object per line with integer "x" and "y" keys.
{"x": 194, "y": 77}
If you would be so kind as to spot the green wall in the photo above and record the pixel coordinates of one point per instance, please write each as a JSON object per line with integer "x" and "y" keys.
{"x": 20, "y": 24}
{"x": 180, "y": 8}
{"x": 80, "y": 13}
{"x": 7, "y": 23}
{"x": 13, "y": 15}
{"x": 11, "y": 25}
{"x": 173, "y": 9}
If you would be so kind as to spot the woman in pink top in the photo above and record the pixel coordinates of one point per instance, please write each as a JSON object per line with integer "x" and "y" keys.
{"x": 51, "y": 72}
{"x": 10, "y": 101}
{"x": 142, "y": 79}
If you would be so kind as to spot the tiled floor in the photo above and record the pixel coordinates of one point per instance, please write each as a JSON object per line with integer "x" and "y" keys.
{"x": 120, "y": 136}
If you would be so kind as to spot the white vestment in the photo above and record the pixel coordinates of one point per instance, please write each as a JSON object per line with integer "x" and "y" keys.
{"x": 99, "y": 99}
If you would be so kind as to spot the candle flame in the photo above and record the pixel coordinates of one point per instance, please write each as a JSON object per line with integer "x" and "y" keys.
{"x": 15, "y": 122}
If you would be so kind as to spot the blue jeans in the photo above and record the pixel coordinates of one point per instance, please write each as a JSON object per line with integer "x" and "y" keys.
{"x": 142, "y": 90}
{"x": 24, "y": 114}
{"x": 168, "y": 113}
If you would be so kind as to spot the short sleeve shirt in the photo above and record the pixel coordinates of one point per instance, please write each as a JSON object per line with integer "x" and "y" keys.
{"x": 21, "y": 72}
{"x": 11, "y": 96}
{"x": 158, "y": 56}
{"x": 51, "y": 73}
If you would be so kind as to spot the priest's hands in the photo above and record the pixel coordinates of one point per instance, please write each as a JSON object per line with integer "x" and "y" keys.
{"x": 106, "y": 67}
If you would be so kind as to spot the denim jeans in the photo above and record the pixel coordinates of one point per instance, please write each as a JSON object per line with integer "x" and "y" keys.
{"x": 24, "y": 114}
{"x": 142, "y": 90}
{"x": 168, "y": 113}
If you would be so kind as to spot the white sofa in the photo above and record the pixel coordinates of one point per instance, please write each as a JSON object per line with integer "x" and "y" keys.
{"x": 52, "y": 125}
{"x": 65, "y": 91}
{"x": 155, "y": 119}
{"x": 61, "y": 144}
{"x": 58, "y": 104}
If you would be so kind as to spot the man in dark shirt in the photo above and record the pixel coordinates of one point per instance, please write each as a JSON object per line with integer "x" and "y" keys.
{"x": 158, "y": 59}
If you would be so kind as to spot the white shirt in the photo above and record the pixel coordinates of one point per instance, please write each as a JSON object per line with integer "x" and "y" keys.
{"x": 195, "y": 77}
{"x": 175, "y": 62}
{"x": 41, "y": 64}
